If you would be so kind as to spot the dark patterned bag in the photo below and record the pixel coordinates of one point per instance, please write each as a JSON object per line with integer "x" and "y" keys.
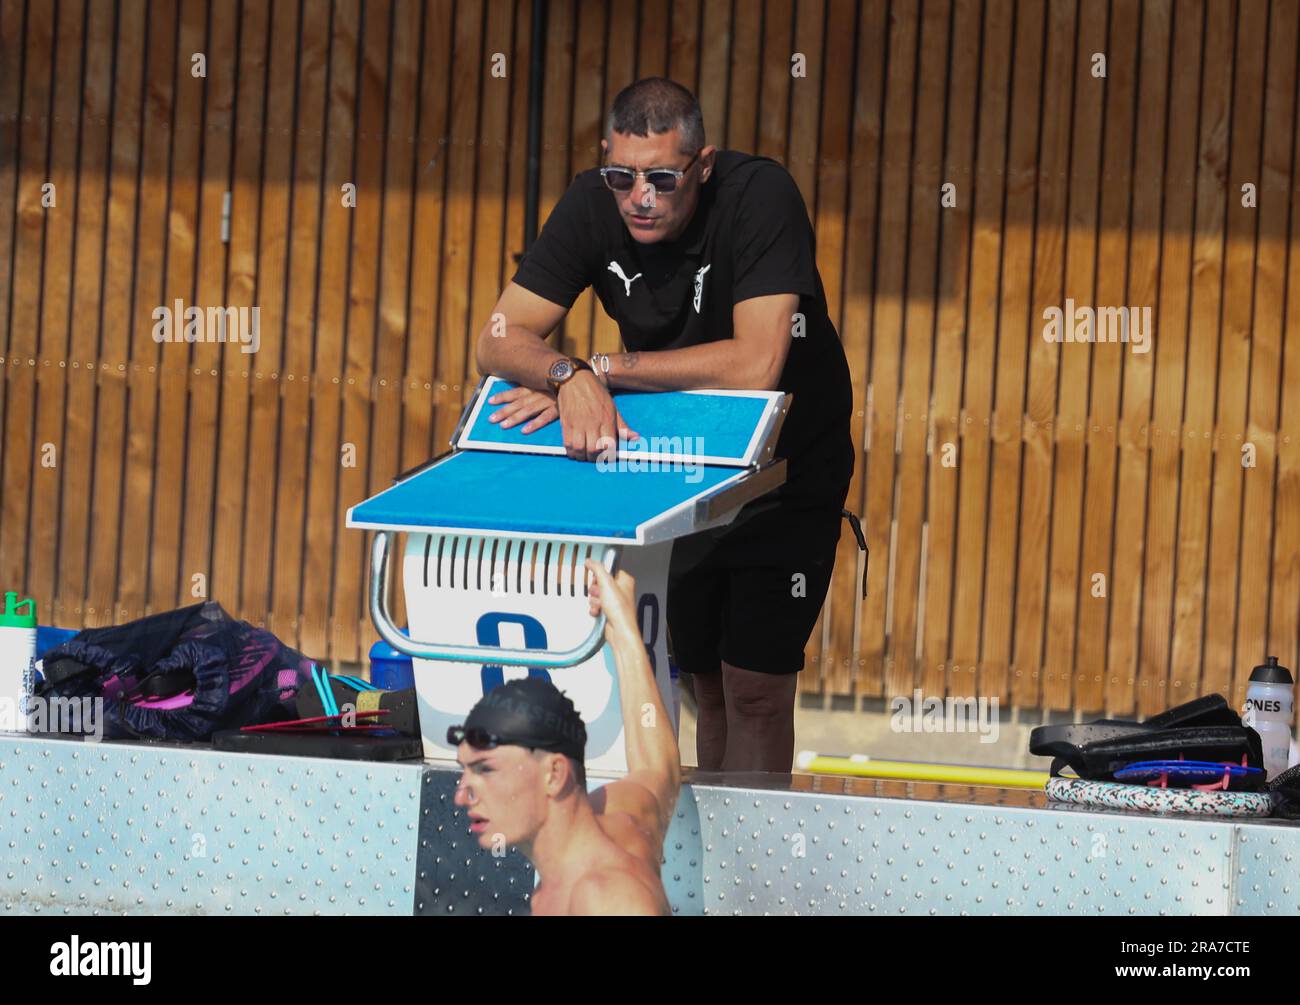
{"x": 180, "y": 675}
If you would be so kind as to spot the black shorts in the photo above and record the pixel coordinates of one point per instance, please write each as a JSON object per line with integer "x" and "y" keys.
{"x": 734, "y": 595}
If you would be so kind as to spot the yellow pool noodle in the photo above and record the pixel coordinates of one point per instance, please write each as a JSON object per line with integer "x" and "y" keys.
{"x": 915, "y": 771}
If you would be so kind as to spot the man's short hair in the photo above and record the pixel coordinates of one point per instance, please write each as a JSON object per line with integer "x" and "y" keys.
{"x": 658, "y": 105}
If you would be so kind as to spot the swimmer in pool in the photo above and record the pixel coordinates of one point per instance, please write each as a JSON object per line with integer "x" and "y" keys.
{"x": 524, "y": 782}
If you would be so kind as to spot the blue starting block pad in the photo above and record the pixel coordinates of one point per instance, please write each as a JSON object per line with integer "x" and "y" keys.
{"x": 700, "y": 456}
{"x": 727, "y": 428}
{"x": 536, "y": 495}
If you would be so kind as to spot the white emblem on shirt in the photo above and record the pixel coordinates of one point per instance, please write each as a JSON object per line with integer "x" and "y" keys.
{"x": 617, "y": 269}
{"x": 699, "y": 286}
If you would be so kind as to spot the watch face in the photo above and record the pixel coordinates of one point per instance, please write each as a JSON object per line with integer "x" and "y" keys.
{"x": 561, "y": 369}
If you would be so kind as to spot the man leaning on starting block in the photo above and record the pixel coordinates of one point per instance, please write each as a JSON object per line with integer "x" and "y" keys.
{"x": 706, "y": 260}
{"x": 524, "y": 782}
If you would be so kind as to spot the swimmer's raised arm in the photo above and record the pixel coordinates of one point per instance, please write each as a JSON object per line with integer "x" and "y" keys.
{"x": 654, "y": 778}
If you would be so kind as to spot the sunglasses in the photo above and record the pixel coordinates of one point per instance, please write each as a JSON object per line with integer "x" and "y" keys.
{"x": 664, "y": 180}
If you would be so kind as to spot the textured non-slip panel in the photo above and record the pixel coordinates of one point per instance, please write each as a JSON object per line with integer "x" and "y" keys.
{"x": 768, "y": 852}
{"x": 128, "y": 828}
{"x": 108, "y": 828}
{"x": 1266, "y": 869}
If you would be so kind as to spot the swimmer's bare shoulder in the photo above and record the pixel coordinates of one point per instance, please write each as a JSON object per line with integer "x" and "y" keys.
{"x": 617, "y": 879}
{"x": 634, "y": 820}
{"x": 635, "y": 812}
{"x": 616, "y": 892}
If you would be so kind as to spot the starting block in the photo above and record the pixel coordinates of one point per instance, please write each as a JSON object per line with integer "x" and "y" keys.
{"x": 498, "y": 530}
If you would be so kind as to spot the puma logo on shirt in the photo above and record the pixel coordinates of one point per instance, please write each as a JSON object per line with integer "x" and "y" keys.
{"x": 617, "y": 269}
{"x": 699, "y": 286}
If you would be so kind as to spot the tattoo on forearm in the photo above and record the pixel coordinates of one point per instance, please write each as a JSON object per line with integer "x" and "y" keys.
{"x": 630, "y": 360}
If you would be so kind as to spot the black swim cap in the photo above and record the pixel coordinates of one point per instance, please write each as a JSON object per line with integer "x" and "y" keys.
{"x": 531, "y": 712}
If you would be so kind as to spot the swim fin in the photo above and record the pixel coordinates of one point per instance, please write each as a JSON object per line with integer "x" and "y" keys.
{"x": 1205, "y": 729}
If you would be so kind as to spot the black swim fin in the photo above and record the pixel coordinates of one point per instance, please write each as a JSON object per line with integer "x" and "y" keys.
{"x": 1205, "y": 729}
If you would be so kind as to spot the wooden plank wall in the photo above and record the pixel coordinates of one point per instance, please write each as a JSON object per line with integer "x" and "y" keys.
{"x": 1062, "y": 526}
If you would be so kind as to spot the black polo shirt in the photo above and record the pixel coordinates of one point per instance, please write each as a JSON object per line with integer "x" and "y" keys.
{"x": 749, "y": 237}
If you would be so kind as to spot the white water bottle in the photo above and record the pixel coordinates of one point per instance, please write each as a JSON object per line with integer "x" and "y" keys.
{"x": 17, "y": 660}
{"x": 1269, "y": 699}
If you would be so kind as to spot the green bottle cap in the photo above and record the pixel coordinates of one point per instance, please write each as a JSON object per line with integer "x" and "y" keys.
{"x": 10, "y": 617}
